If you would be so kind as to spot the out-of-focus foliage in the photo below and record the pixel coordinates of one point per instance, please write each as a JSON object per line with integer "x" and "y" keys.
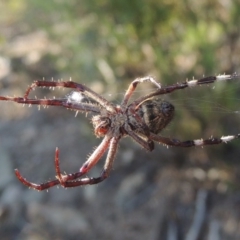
{"x": 167, "y": 38}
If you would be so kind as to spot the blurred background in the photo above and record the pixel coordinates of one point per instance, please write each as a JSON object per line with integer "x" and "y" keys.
{"x": 170, "y": 193}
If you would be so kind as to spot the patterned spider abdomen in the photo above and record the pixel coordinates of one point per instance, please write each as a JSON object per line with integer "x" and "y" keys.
{"x": 156, "y": 113}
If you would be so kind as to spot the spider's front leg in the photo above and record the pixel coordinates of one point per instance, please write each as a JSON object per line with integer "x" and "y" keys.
{"x": 39, "y": 187}
{"x": 73, "y": 85}
{"x": 91, "y": 162}
{"x": 42, "y": 186}
{"x": 63, "y": 102}
{"x": 60, "y": 178}
{"x": 68, "y": 180}
{"x": 82, "y": 107}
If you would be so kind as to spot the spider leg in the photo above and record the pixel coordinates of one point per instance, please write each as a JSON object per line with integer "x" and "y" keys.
{"x": 92, "y": 161}
{"x": 83, "y": 107}
{"x": 133, "y": 86}
{"x": 38, "y": 187}
{"x": 73, "y": 85}
{"x": 106, "y": 169}
{"x": 94, "y": 158}
{"x": 146, "y": 143}
{"x": 192, "y": 143}
{"x": 191, "y": 83}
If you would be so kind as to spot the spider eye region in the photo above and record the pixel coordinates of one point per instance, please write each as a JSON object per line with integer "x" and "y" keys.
{"x": 101, "y": 125}
{"x": 156, "y": 113}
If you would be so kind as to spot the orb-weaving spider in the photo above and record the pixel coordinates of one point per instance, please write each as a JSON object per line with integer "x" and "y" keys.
{"x": 142, "y": 120}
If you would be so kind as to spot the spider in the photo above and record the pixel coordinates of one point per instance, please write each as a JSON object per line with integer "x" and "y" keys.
{"x": 142, "y": 120}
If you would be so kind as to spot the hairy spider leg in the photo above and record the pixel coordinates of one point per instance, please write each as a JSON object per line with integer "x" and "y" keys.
{"x": 192, "y": 143}
{"x": 38, "y": 187}
{"x": 192, "y": 83}
{"x": 63, "y": 180}
{"x": 106, "y": 169}
{"x": 133, "y": 86}
{"x": 92, "y": 161}
{"x": 82, "y": 107}
{"x": 78, "y": 86}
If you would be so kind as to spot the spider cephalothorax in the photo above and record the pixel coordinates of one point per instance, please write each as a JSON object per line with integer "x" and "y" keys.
{"x": 142, "y": 120}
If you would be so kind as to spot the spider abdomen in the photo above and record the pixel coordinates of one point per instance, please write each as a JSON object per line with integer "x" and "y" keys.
{"x": 156, "y": 114}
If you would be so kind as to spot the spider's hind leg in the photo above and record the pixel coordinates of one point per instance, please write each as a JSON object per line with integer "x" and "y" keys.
{"x": 192, "y": 143}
